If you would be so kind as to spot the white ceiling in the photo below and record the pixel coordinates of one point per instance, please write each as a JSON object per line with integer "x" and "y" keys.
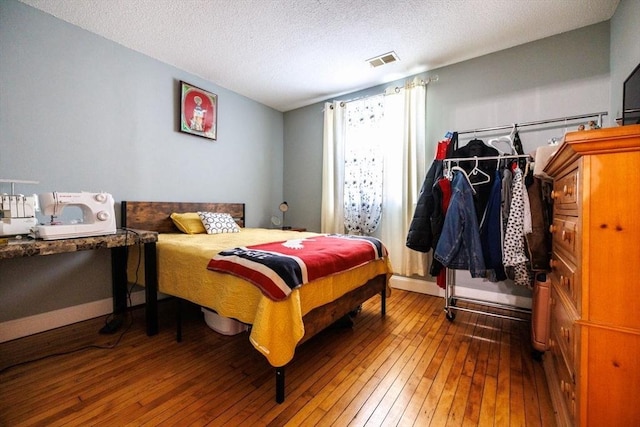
{"x": 292, "y": 53}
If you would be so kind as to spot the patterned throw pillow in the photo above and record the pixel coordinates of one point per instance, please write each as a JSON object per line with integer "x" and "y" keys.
{"x": 216, "y": 223}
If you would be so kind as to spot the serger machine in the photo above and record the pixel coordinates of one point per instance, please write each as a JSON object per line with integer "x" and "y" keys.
{"x": 98, "y": 215}
{"x": 18, "y": 214}
{"x": 17, "y": 211}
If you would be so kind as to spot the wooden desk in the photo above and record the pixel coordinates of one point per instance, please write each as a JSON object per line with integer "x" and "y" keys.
{"x": 117, "y": 243}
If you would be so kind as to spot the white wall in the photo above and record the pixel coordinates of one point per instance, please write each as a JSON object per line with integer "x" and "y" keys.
{"x": 79, "y": 112}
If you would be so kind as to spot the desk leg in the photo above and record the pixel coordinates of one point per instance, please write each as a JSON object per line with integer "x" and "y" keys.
{"x": 119, "y": 279}
{"x": 118, "y": 288}
{"x": 151, "y": 288}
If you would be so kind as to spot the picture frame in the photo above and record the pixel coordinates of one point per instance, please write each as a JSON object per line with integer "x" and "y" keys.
{"x": 198, "y": 111}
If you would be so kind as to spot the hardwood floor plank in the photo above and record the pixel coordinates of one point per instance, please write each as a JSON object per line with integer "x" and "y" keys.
{"x": 362, "y": 361}
{"x": 482, "y": 335}
{"x": 386, "y": 389}
{"x": 358, "y": 414}
{"x": 413, "y": 367}
{"x": 488, "y": 405}
{"x": 516, "y": 395}
{"x": 412, "y": 410}
{"x": 504, "y": 380}
{"x": 412, "y": 390}
{"x": 445, "y": 402}
{"x": 448, "y": 352}
{"x": 455, "y": 416}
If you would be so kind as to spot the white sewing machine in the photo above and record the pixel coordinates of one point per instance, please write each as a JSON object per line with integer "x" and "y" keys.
{"x": 97, "y": 211}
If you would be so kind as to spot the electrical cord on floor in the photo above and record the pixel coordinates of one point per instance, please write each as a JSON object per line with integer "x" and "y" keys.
{"x": 112, "y": 323}
{"x": 64, "y": 353}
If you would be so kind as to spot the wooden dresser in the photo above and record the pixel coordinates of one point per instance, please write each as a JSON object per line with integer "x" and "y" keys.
{"x": 593, "y": 366}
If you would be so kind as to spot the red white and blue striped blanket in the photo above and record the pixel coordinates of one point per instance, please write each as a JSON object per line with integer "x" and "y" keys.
{"x": 278, "y": 268}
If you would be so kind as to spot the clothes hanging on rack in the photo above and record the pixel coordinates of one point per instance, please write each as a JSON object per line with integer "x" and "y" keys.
{"x": 507, "y": 213}
{"x": 538, "y": 242}
{"x": 459, "y": 245}
{"x": 478, "y": 170}
{"x": 514, "y": 241}
{"x": 428, "y": 218}
{"x": 442, "y": 198}
{"x": 491, "y": 232}
{"x": 420, "y": 235}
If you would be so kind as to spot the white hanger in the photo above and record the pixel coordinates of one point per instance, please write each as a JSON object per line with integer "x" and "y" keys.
{"x": 506, "y": 138}
{"x": 464, "y": 173}
{"x": 501, "y": 139}
{"x": 476, "y": 170}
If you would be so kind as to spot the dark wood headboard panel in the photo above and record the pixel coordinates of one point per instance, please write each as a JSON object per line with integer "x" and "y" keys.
{"x": 155, "y": 216}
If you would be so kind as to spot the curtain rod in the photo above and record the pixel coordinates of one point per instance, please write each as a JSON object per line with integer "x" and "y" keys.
{"x": 539, "y": 122}
{"x": 396, "y": 90}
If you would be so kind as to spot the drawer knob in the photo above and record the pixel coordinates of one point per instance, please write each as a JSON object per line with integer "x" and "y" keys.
{"x": 552, "y": 228}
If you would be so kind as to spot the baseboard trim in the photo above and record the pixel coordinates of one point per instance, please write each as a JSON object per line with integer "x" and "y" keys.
{"x": 416, "y": 285}
{"x": 18, "y": 328}
{"x": 431, "y": 288}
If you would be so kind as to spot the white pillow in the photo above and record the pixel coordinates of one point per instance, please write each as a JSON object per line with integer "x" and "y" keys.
{"x": 216, "y": 223}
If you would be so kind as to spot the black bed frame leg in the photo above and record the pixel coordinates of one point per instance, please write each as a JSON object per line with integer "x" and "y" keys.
{"x": 179, "y": 321}
{"x": 280, "y": 384}
{"x": 383, "y": 302}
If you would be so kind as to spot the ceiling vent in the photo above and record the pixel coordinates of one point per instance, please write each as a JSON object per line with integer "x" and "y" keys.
{"x": 383, "y": 59}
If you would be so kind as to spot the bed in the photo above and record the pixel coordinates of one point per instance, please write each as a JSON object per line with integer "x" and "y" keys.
{"x": 277, "y": 327}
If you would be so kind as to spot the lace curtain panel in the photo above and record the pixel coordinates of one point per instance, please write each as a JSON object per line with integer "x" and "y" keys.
{"x": 363, "y": 166}
{"x": 373, "y": 166}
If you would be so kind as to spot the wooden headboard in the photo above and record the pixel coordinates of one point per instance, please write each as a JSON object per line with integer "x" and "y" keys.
{"x": 155, "y": 216}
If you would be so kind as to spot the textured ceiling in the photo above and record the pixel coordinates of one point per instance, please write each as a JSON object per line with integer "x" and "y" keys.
{"x": 292, "y": 53}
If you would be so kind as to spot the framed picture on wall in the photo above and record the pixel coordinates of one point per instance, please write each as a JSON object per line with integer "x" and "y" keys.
{"x": 198, "y": 111}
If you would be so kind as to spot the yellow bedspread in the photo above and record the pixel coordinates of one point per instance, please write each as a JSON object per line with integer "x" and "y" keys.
{"x": 277, "y": 325}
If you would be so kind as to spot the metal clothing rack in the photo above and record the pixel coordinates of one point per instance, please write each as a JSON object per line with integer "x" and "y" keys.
{"x": 539, "y": 122}
{"x": 450, "y": 298}
{"x": 451, "y": 303}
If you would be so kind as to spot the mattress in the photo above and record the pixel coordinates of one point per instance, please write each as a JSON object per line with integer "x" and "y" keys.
{"x": 277, "y": 326}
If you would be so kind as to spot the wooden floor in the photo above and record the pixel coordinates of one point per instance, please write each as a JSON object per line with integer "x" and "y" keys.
{"x": 412, "y": 368}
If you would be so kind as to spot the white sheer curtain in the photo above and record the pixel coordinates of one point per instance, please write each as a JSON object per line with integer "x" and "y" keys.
{"x": 332, "y": 215}
{"x": 400, "y": 134}
{"x": 405, "y": 169}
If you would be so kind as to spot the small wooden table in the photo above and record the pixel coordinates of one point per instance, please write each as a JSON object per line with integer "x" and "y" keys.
{"x": 118, "y": 244}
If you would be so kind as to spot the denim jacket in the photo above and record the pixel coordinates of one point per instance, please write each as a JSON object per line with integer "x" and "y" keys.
{"x": 459, "y": 245}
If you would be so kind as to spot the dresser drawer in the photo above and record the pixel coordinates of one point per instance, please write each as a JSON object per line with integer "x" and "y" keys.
{"x": 564, "y": 231}
{"x": 563, "y": 328}
{"x": 564, "y": 274}
{"x": 564, "y": 383}
{"x": 565, "y": 192}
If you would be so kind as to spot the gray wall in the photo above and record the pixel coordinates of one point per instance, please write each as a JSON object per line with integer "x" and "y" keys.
{"x": 79, "y": 112}
{"x": 625, "y": 49}
{"x": 560, "y": 76}
{"x": 555, "y": 77}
